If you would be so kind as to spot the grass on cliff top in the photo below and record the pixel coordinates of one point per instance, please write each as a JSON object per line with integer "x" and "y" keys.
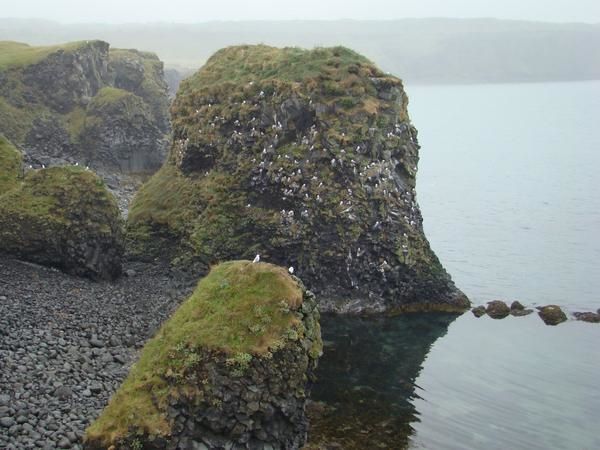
{"x": 240, "y": 308}
{"x": 10, "y": 166}
{"x": 18, "y": 54}
{"x": 247, "y": 63}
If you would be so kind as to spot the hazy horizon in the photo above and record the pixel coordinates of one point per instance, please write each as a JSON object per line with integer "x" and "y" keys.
{"x": 190, "y": 12}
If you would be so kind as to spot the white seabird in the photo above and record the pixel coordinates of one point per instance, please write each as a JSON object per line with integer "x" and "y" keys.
{"x": 256, "y": 259}
{"x": 291, "y": 270}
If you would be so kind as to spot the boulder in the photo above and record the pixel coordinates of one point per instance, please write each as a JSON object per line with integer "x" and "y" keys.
{"x": 308, "y": 158}
{"x": 516, "y": 306}
{"x": 497, "y": 309}
{"x": 232, "y": 368}
{"x": 478, "y": 311}
{"x": 552, "y": 314}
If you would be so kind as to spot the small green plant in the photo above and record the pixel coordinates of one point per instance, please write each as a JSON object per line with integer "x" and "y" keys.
{"x": 239, "y": 363}
{"x": 136, "y": 444}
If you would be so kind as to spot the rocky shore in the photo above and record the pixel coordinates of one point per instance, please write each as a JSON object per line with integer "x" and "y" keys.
{"x": 67, "y": 343}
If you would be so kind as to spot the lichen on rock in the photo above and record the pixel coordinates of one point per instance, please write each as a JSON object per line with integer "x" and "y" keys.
{"x": 307, "y": 157}
{"x": 62, "y": 217}
{"x": 230, "y": 369}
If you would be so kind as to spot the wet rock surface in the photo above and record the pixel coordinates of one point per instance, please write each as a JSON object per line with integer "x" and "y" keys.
{"x": 587, "y": 317}
{"x": 497, "y": 309}
{"x": 66, "y": 344}
{"x": 479, "y": 311}
{"x": 552, "y": 314}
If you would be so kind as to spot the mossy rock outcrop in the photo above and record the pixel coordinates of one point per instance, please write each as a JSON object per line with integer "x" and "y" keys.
{"x": 62, "y": 217}
{"x": 308, "y": 158}
{"x": 230, "y": 369}
{"x": 50, "y": 97}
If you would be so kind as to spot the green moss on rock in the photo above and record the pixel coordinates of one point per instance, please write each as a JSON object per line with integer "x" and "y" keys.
{"x": 63, "y": 217}
{"x": 308, "y": 158}
{"x": 10, "y": 166}
{"x": 245, "y": 329}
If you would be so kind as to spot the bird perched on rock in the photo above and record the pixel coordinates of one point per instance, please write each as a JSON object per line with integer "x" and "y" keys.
{"x": 291, "y": 270}
{"x": 256, "y": 259}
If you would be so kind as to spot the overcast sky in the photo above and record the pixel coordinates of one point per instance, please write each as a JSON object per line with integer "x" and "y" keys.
{"x": 124, "y": 11}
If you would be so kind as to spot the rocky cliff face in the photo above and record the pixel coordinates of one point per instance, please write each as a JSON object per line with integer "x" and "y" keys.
{"x": 308, "y": 158}
{"x": 231, "y": 369}
{"x": 84, "y": 102}
{"x": 61, "y": 216}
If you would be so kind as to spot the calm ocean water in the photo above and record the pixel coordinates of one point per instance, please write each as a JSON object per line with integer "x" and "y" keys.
{"x": 509, "y": 187}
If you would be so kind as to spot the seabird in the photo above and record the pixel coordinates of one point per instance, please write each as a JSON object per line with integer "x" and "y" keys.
{"x": 291, "y": 270}
{"x": 256, "y": 259}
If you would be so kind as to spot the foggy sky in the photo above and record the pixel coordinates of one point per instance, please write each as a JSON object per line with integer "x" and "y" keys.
{"x": 127, "y": 11}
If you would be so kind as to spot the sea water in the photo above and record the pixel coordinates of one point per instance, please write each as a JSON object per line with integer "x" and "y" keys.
{"x": 509, "y": 187}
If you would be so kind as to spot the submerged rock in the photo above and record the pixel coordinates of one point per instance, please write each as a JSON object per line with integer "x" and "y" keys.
{"x": 552, "y": 314}
{"x": 62, "y": 217}
{"x": 232, "y": 368}
{"x": 587, "y": 317}
{"x": 497, "y": 309}
{"x": 479, "y": 311}
{"x": 308, "y": 158}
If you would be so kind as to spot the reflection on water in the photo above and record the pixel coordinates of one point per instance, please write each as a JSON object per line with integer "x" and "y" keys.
{"x": 441, "y": 382}
{"x": 367, "y": 378}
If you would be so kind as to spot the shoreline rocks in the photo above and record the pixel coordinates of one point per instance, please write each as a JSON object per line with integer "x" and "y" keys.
{"x": 497, "y": 309}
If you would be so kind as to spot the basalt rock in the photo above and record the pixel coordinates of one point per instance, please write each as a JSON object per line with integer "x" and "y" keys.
{"x": 552, "y": 314}
{"x": 308, "y": 158}
{"x": 587, "y": 317}
{"x": 65, "y": 104}
{"x": 231, "y": 369}
{"x": 62, "y": 217}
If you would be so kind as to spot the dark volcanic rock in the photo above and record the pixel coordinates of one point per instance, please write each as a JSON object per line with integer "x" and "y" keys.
{"x": 479, "y": 311}
{"x": 198, "y": 393}
{"x": 313, "y": 169}
{"x": 516, "y": 306}
{"x": 552, "y": 314}
{"x": 497, "y": 309}
{"x": 587, "y": 317}
{"x": 518, "y": 310}
{"x": 68, "y": 77}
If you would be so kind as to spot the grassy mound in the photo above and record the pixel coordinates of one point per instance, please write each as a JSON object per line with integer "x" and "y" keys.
{"x": 240, "y": 310}
{"x": 63, "y": 217}
{"x": 10, "y": 166}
